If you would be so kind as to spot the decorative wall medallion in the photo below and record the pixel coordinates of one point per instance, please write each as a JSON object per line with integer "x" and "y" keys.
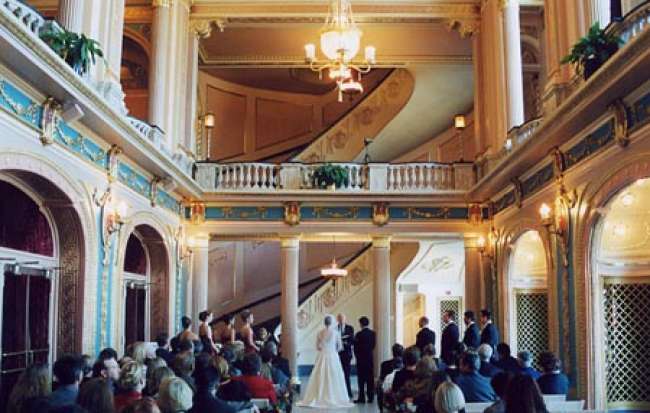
{"x": 303, "y": 319}
{"x": 475, "y": 214}
{"x": 357, "y": 276}
{"x": 621, "y": 129}
{"x": 51, "y": 109}
{"x": 558, "y": 161}
{"x": 380, "y": 214}
{"x": 292, "y": 213}
{"x": 329, "y": 297}
{"x": 197, "y": 214}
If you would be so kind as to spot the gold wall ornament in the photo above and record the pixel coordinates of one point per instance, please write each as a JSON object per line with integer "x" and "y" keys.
{"x": 555, "y": 220}
{"x": 203, "y": 28}
{"x": 621, "y": 130}
{"x": 197, "y": 213}
{"x": 465, "y": 27}
{"x": 51, "y": 112}
{"x": 380, "y": 213}
{"x": 111, "y": 164}
{"x": 518, "y": 191}
{"x": 475, "y": 214}
{"x": 292, "y": 213}
{"x": 559, "y": 164}
{"x": 155, "y": 184}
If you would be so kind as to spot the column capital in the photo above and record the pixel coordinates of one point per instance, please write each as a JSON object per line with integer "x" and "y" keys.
{"x": 289, "y": 241}
{"x": 381, "y": 241}
{"x": 508, "y": 3}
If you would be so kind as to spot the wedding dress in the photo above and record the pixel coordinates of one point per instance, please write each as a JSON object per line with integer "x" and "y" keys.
{"x": 326, "y": 386}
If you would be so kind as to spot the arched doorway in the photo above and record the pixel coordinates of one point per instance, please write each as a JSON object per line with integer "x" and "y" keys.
{"x": 621, "y": 285}
{"x": 41, "y": 268}
{"x": 145, "y": 286}
{"x": 528, "y": 295}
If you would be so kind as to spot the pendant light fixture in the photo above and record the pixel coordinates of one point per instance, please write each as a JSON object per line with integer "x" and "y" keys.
{"x": 332, "y": 271}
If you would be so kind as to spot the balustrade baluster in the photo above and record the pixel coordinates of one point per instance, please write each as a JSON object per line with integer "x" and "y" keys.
{"x": 421, "y": 177}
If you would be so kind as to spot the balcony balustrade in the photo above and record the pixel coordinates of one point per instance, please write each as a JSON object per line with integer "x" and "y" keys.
{"x": 373, "y": 178}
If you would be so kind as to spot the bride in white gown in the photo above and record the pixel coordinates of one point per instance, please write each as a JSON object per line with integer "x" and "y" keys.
{"x": 326, "y": 386}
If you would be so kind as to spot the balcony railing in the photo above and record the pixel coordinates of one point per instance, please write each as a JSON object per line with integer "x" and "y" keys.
{"x": 29, "y": 17}
{"x": 634, "y": 23}
{"x": 407, "y": 178}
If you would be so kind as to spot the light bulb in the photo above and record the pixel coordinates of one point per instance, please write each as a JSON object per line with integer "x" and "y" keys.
{"x": 310, "y": 52}
{"x": 545, "y": 211}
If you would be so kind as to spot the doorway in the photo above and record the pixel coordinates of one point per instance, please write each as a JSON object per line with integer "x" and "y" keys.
{"x": 136, "y": 291}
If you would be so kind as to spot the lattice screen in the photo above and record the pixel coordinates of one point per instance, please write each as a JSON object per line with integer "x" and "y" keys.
{"x": 627, "y": 339}
{"x": 532, "y": 322}
{"x": 452, "y": 304}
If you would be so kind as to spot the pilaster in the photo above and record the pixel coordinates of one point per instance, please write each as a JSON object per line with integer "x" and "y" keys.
{"x": 290, "y": 263}
{"x": 381, "y": 298}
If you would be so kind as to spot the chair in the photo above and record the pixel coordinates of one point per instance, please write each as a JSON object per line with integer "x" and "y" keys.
{"x": 262, "y": 404}
{"x": 554, "y": 398}
{"x": 477, "y": 407}
{"x": 566, "y": 406}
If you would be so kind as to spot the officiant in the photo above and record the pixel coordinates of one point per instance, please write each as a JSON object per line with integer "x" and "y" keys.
{"x": 347, "y": 337}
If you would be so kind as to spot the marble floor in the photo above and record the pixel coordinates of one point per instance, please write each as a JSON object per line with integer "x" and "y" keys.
{"x": 359, "y": 408}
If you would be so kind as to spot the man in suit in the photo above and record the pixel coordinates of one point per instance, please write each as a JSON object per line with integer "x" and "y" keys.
{"x": 364, "y": 347}
{"x": 476, "y": 388}
{"x": 449, "y": 338}
{"x": 472, "y": 336}
{"x": 347, "y": 337}
{"x": 488, "y": 369}
{"x": 489, "y": 334}
{"x": 425, "y": 336}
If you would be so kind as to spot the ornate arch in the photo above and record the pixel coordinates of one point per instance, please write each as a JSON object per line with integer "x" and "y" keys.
{"x": 76, "y": 238}
{"x": 589, "y": 207}
{"x": 160, "y": 249}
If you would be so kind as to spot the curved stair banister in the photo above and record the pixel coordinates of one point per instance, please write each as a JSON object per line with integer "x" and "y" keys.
{"x": 345, "y": 139}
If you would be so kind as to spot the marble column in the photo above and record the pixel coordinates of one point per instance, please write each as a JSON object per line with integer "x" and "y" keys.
{"x": 71, "y": 15}
{"x": 514, "y": 73}
{"x": 381, "y": 298}
{"x": 159, "y": 64}
{"x": 599, "y": 11}
{"x": 289, "y": 256}
{"x": 474, "y": 282}
{"x": 200, "y": 273}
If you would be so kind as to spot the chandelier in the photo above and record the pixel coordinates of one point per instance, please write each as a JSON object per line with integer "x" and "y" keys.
{"x": 340, "y": 41}
{"x": 333, "y": 271}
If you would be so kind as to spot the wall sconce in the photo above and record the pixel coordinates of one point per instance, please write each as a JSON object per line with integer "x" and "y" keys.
{"x": 208, "y": 121}
{"x": 186, "y": 249}
{"x": 115, "y": 215}
{"x": 460, "y": 122}
{"x": 557, "y": 226}
{"x": 485, "y": 246}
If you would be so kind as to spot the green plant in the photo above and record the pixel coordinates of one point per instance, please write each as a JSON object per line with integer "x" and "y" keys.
{"x": 328, "y": 174}
{"x": 77, "y": 50}
{"x": 591, "y": 51}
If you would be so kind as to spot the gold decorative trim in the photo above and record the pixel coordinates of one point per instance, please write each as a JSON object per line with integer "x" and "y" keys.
{"x": 621, "y": 129}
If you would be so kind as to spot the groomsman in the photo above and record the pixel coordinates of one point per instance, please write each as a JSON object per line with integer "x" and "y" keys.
{"x": 425, "y": 336}
{"x": 472, "y": 337}
{"x": 364, "y": 346}
{"x": 347, "y": 337}
{"x": 489, "y": 334}
{"x": 449, "y": 338}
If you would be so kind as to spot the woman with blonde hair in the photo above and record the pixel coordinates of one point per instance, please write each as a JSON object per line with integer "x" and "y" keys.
{"x": 449, "y": 398}
{"x": 175, "y": 396}
{"x": 132, "y": 381}
{"x": 33, "y": 382}
{"x": 156, "y": 378}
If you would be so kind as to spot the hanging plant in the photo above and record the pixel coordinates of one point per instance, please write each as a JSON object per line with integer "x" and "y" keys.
{"x": 78, "y": 50}
{"x": 593, "y": 50}
{"x": 329, "y": 175}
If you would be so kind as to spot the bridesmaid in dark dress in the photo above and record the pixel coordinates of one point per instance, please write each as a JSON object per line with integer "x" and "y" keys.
{"x": 205, "y": 332}
{"x": 246, "y": 332}
{"x": 228, "y": 332}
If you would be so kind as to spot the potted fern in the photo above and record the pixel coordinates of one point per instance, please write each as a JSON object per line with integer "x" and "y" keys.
{"x": 328, "y": 176}
{"x": 592, "y": 51}
{"x": 77, "y": 50}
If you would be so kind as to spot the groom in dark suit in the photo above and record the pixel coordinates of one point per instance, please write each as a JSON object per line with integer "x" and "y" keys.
{"x": 364, "y": 347}
{"x": 347, "y": 337}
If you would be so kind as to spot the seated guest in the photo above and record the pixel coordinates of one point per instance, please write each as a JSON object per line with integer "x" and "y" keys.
{"x": 96, "y": 396}
{"x": 131, "y": 383}
{"x": 271, "y": 372}
{"x": 421, "y": 389}
{"x": 156, "y": 378}
{"x": 453, "y": 370}
{"x": 552, "y": 380}
{"x": 411, "y": 358}
{"x": 107, "y": 353}
{"x": 68, "y": 371}
{"x": 488, "y": 369}
{"x": 506, "y": 362}
{"x": 387, "y": 384}
{"x": 388, "y": 366}
{"x": 259, "y": 387}
{"x": 278, "y": 361}
{"x": 476, "y": 388}
{"x": 138, "y": 352}
{"x": 205, "y": 400}
{"x": 163, "y": 348}
{"x": 525, "y": 360}
{"x": 151, "y": 365}
{"x": 33, "y": 384}
{"x": 183, "y": 366}
{"x": 175, "y": 396}
{"x": 523, "y": 396}
{"x": 449, "y": 398}
{"x": 430, "y": 352}
{"x": 144, "y": 405}
{"x": 87, "y": 363}
{"x": 500, "y": 385}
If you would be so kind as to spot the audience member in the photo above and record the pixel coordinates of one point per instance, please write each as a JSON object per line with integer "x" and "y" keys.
{"x": 269, "y": 371}
{"x": 144, "y": 405}
{"x": 449, "y": 398}
{"x": 472, "y": 336}
{"x": 131, "y": 383}
{"x": 500, "y": 385}
{"x": 96, "y": 396}
{"x": 108, "y": 353}
{"x": 525, "y": 360}
{"x": 138, "y": 352}
{"x": 68, "y": 371}
{"x": 108, "y": 368}
{"x": 505, "y": 361}
{"x": 552, "y": 380}
{"x": 388, "y": 366}
{"x": 422, "y": 388}
{"x": 87, "y": 369}
{"x": 488, "y": 369}
{"x": 163, "y": 348}
{"x": 174, "y": 396}
{"x": 155, "y": 377}
{"x": 411, "y": 358}
{"x": 259, "y": 387}
{"x": 33, "y": 383}
{"x": 476, "y": 388}
{"x": 450, "y": 337}
{"x": 279, "y": 361}
{"x": 523, "y": 396}
{"x": 183, "y": 366}
{"x": 489, "y": 333}
{"x": 205, "y": 400}
{"x": 425, "y": 335}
